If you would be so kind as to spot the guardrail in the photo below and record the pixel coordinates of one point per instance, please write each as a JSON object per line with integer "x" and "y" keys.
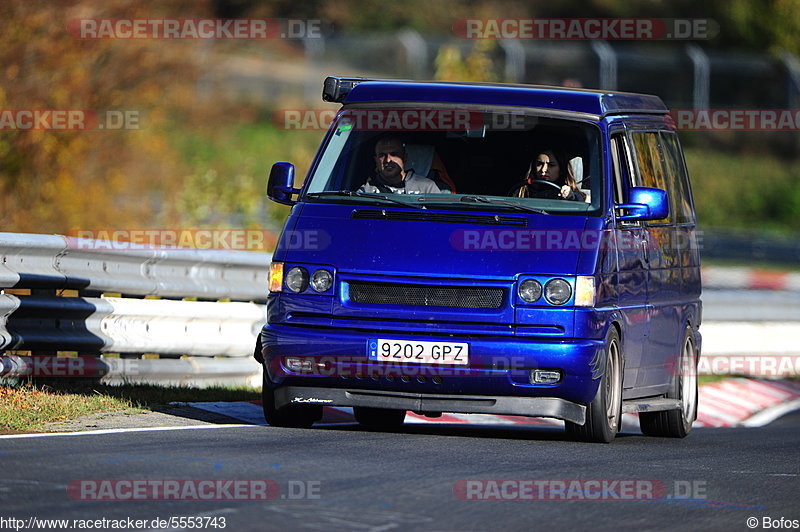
{"x": 94, "y": 297}
{"x": 749, "y": 246}
{"x": 96, "y": 266}
{"x": 112, "y": 307}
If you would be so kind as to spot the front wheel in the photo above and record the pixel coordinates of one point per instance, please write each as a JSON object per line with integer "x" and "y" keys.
{"x": 604, "y": 413}
{"x": 294, "y": 416}
{"x": 677, "y": 423}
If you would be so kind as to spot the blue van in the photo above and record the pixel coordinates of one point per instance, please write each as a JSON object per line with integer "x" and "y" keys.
{"x": 487, "y": 248}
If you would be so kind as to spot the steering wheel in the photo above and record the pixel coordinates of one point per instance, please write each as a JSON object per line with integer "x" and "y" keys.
{"x": 531, "y": 182}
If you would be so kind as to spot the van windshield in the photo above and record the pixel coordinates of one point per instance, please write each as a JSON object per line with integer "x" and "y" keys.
{"x": 461, "y": 157}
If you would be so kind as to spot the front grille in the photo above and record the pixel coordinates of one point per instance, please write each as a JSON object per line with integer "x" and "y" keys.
{"x": 425, "y": 295}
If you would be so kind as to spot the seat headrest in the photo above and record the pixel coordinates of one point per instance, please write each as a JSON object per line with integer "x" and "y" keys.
{"x": 419, "y": 157}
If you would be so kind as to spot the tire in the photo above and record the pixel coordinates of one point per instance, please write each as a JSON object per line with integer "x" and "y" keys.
{"x": 386, "y": 418}
{"x": 257, "y": 354}
{"x": 604, "y": 413}
{"x": 293, "y": 416}
{"x": 677, "y": 423}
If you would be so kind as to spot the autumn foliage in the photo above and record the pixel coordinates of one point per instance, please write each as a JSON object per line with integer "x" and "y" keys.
{"x": 57, "y": 181}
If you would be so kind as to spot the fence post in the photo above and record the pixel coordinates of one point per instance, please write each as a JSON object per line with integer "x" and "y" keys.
{"x": 515, "y": 60}
{"x": 702, "y": 76}
{"x": 314, "y": 48}
{"x": 416, "y": 52}
{"x": 793, "y": 70}
{"x": 608, "y": 65}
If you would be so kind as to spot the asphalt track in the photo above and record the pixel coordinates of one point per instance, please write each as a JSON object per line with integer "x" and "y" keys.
{"x": 422, "y": 477}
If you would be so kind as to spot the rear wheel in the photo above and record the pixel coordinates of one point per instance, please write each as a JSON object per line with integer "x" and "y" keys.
{"x": 295, "y": 416}
{"x": 677, "y": 423}
{"x": 386, "y": 418}
{"x": 604, "y": 413}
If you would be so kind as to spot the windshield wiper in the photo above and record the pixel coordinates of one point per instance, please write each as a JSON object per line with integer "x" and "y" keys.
{"x": 357, "y": 194}
{"x": 494, "y": 201}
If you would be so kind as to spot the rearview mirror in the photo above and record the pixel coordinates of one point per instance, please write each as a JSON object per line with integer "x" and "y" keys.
{"x": 645, "y": 203}
{"x": 280, "y": 184}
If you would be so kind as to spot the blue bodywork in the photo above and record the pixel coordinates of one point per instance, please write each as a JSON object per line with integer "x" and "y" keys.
{"x": 648, "y": 291}
{"x": 576, "y": 101}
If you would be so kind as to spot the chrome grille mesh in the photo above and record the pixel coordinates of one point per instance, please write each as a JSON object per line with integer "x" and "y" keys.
{"x": 425, "y": 295}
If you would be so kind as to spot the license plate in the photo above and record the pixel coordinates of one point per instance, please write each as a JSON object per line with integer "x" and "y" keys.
{"x": 418, "y": 352}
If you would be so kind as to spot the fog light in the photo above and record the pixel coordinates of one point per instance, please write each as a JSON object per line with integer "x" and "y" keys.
{"x": 545, "y": 376}
{"x": 298, "y": 365}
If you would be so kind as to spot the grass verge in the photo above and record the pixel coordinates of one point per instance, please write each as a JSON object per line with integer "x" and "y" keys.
{"x": 28, "y": 407}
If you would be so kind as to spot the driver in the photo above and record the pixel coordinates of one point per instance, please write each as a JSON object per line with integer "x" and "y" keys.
{"x": 549, "y": 166}
{"x": 390, "y": 173}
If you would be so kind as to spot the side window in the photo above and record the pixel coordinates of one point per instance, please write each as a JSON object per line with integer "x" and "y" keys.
{"x": 622, "y": 166}
{"x": 678, "y": 178}
{"x": 650, "y": 164}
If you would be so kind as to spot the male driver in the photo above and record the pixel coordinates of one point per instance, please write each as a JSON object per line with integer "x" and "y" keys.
{"x": 390, "y": 173}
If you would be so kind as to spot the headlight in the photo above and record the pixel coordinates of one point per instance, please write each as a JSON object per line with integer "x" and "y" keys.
{"x": 557, "y": 291}
{"x": 322, "y": 280}
{"x": 275, "y": 277}
{"x": 297, "y": 279}
{"x": 530, "y": 290}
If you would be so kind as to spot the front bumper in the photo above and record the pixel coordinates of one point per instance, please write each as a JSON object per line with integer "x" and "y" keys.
{"x": 499, "y": 366}
{"x": 419, "y": 402}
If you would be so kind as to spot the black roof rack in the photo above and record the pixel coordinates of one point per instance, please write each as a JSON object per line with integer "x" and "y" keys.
{"x": 335, "y": 88}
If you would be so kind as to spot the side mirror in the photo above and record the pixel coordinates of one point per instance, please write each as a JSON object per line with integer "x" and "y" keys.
{"x": 645, "y": 203}
{"x": 280, "y": 184}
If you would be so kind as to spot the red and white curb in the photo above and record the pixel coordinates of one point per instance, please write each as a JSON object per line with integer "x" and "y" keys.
{"x": 746, "y": 402}
{"x": 728, "y": 403}
{"x": 749, "y": 279}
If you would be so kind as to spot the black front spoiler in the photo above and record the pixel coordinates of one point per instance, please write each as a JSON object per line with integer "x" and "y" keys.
{"x": 423, "y": 402}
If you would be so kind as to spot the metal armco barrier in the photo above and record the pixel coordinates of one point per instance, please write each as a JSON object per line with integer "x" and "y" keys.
{"x": 749, "y": 246}
{"x": 91, "y": 319}
{"x": 214, "y": 339}
{"x": 119, "y": 325}
{"x": 174, "y": 372}
{"x": 98, "y": 266}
